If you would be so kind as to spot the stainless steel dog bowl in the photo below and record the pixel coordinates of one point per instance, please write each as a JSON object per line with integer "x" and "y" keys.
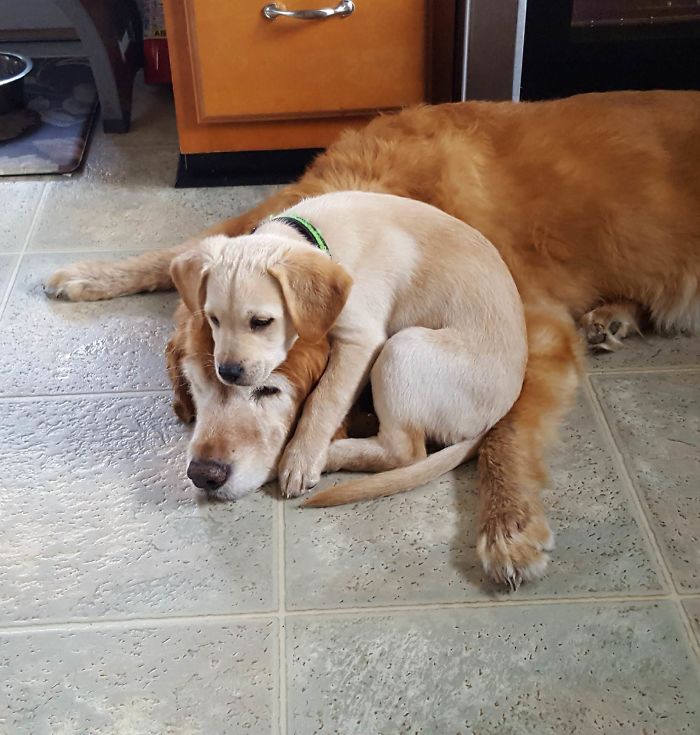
{"x": 13, "y": 69}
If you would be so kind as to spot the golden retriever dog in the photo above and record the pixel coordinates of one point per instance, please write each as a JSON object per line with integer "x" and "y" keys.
{"x": 391, "y": 269}
{"x": 592, "y": 201}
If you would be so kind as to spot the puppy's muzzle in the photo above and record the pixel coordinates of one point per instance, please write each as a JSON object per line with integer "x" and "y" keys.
{"x": 208, "y": 474}
{"x": 231, "y": 372}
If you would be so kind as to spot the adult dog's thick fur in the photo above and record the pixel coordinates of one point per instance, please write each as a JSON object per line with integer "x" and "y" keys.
{"x": 591, "y": 199}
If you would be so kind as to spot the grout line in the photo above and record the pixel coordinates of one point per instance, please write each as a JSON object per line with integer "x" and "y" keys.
{"x": 30, "y": 232}
{"x": 281, "y": 611}
{"x": 646, "y": 370}
{"x": 156, "y": 620}
{"x": 641, "y": 511}
{"x": 688, "y": 625}
{"x": 26, "y": 397}
{"x": 153, "y": 621}
{"x": 475, "y": 604}
{"x": 10, "y": 285}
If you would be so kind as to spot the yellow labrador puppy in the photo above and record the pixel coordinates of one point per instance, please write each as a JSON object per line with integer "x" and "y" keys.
{"x": 385, "y": 278}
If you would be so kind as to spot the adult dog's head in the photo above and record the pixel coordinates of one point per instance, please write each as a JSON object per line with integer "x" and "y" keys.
{"x": 240, "y": 431}
{"x": 259, "y": 294}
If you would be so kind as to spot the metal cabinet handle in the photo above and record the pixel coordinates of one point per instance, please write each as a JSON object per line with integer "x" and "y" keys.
{"x": 341, "y": 10}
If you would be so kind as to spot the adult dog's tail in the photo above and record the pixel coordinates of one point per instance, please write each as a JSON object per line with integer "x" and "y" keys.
{"x": 398, "y": 480}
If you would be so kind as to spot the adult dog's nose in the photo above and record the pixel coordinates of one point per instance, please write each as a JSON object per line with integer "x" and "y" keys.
{"x": 596, "y": 338}
{"x": 231, "y": 372}
{"x": 208, "y": 474}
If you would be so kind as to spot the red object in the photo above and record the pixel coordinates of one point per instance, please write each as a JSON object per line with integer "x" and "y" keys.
{"x": 156, "y": 61}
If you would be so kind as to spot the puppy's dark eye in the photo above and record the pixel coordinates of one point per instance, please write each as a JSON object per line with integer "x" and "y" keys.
{"x": 257, "y": 323}
{"x": 213, "y": 320}
{"x": 265, "y": 390}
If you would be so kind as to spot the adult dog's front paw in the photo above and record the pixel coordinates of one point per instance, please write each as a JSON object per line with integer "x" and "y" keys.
{"x": 300, "y": 470}
{"x": 79, "y": 282}
{"x": 513, "y": 550}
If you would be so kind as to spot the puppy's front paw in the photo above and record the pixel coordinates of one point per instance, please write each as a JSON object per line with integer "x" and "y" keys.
{"x": 299, "y": 471}
{"x": 514, "y": 550}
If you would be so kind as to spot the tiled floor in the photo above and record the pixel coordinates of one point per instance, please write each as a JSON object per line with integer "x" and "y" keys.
{"x": 127, "y": 606}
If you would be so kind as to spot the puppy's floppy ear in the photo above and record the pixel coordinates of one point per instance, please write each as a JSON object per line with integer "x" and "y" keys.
{"x": 189, "y": 272}
{"x": 315, "y": 290}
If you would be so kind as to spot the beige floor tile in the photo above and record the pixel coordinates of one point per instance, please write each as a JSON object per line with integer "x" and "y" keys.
{"x": 54, "y": 347}
{"x": 100, "y": 520}
{"x": 550, "y": 670}
{"x": 18, "y": 204}
{"x": 7, "y": 266}
{"x": 656, "y": 419}
{"x": 125, "y": 200}
{"x": 203, "y": 677}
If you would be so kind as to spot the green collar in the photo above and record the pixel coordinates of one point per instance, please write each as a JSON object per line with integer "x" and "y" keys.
{"x": 305, "y": 228}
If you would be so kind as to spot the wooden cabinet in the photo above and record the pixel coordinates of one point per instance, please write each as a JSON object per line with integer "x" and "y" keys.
{"x": 247, "y": 67}
{"x": 246, "y": 83}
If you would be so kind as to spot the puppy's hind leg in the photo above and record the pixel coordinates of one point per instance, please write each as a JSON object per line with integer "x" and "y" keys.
{"x": 395, "y": 445}
{"x": 401, "y": 411}
{"x": 419, "y": 389}
{"x": 392, "y": 447}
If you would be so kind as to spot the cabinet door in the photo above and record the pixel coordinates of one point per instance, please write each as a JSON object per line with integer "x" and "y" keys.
{"x": 247, "y": 67}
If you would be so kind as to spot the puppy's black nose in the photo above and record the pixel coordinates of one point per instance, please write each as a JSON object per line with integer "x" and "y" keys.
{"x": 208, "y": 474}
{"x": 231, "y": 371}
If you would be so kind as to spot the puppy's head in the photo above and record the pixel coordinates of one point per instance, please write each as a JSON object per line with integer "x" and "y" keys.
{"x": 239, "y": 432}
{"x": 259, "y": 293}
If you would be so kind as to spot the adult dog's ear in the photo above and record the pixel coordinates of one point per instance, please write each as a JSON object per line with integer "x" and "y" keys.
{"x": 315, "y": 290}
{"x": 189, "y": 273}
{"x": 183, "y": 404}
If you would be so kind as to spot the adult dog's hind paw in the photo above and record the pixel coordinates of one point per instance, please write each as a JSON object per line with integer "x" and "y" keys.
{"x": 511, "y": 554}
{"x": 605, "y": 327}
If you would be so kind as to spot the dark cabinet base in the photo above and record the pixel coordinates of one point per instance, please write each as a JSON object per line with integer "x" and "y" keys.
{"x": 244, "y": 168}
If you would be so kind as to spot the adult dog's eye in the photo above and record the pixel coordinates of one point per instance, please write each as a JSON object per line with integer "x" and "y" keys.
{"x": 256, "y": 323}
{"x": 266, "y": 390}
{"x": 213, "y": 320}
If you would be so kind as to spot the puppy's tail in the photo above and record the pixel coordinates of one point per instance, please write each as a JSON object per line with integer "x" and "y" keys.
{"x": 398, "y": 480}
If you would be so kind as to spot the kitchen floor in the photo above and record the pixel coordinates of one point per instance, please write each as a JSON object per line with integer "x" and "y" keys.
{"x": 127, "y": 605}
